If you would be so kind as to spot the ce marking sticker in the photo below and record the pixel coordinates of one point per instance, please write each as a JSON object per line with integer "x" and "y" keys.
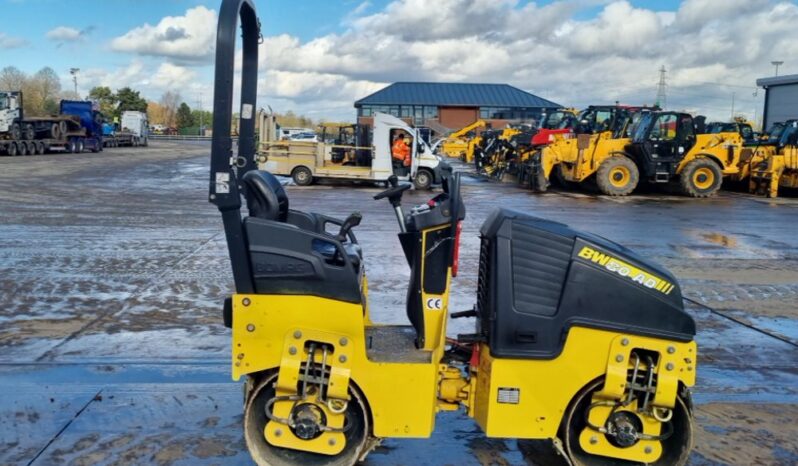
{"x": 435, "y": 304}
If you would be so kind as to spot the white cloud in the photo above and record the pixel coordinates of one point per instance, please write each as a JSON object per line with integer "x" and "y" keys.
{"x": 550, "y": 49}
{"x": 188, "y": 38}
{"x": 10, "y": 42}
{"x": 64, "y": 34}
{"x": 150, "y": 80}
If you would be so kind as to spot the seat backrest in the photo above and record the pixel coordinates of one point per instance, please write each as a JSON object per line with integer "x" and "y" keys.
{"x": 266, "y": 198}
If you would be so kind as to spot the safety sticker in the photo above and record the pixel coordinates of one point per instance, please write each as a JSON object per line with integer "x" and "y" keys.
{"x": 509, "y": 395}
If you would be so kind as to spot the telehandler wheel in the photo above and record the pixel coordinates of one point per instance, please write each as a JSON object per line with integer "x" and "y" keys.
{"x": 617, "y": 176}
{"x": 675, "y": 449}
{"x": 264, "y": 454}
{"x": 302, "y": 176}
{"x": 701, "y": 177}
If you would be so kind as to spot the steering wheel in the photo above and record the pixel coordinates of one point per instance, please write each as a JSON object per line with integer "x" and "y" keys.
{"x": 394, "y": 191}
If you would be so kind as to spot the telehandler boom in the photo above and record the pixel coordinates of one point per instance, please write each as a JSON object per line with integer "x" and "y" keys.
{"x": 606, "y": 382}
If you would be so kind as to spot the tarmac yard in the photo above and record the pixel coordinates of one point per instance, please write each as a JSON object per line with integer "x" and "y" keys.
{"x": 113, "y": 268}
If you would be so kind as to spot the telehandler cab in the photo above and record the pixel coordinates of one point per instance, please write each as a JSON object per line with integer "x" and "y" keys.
{"x": 577, "y": 340}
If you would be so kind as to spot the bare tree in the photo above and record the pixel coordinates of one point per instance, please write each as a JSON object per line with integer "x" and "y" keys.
{"x": 170, "y": 101}
{"x": 11, "y": 79}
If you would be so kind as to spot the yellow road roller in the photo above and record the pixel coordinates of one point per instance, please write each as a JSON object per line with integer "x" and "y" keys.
{"x": 576, "y": 339}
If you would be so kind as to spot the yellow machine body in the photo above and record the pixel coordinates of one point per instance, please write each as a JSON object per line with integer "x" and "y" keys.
{"x": 456, "y": 144}
{"x": 580, "y": 157}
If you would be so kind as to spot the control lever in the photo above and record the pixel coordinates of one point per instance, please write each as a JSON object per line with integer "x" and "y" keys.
{"x": 352, "y": 221}
{"x": 394, "y": 195}
{"x": 468, "y": 313}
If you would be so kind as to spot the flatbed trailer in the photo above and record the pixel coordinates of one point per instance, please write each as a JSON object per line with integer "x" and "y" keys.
{"x": 70, "y": 142}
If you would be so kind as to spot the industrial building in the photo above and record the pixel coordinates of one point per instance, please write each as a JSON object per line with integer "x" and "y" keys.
{"x": 781, "y": 98}
{"x": 446, "y": 106}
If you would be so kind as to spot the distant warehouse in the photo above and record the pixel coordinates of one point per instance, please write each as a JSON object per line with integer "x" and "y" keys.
{"x": 447, "y": 106}
{"x": 781, "y": 99}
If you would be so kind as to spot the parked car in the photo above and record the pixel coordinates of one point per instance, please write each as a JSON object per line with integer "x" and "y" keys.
{"x": 306, "y": 137}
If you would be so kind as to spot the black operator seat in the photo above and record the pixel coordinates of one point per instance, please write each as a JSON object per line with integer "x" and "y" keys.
{"x": 267, "y": 200}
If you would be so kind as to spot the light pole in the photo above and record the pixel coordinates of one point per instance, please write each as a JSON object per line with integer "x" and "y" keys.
{"x": 777, "y": 64}
{"x": 74, "y": 73}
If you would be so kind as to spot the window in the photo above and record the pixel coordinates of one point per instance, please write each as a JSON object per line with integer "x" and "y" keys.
{"x": 664, "y": 128}
{"x": 407, "y": 111}
{"x": 430, "y": 112}
{"x": 365, "y": 111}
{"x": 3, "y": 102}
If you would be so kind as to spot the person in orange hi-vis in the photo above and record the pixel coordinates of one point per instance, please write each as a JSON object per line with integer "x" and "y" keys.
{"x": 400, "y": 151}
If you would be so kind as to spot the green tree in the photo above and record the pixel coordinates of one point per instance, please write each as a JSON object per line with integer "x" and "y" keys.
{"x": 42, "y": 91}
{"x": 184, "y": 117}
{"x": 202, "y": 118}
{"x": 106, "y": 99}
{"x": 129, "y": 100}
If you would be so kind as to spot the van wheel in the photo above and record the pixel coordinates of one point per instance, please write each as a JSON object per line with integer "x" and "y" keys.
{"x": 423, "y": 179}
{"x": 617, "y": 176}
{"x": 302, "y": 176}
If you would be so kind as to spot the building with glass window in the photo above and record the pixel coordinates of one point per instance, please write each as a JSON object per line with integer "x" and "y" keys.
{"x": 453, "y": 105}
{"x": 781, "y": 99}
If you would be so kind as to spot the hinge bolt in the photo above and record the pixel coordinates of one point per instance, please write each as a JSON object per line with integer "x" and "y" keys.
{"x": 624, "y": 342}
{"x": 342, "y": 358}
{"x": 669, "y": 366}
{"x": 593, "y": 440}
{"x": 245, "y": 301}
{"x": 297, "y": 334}
{"x": 292, "y": 350}
{"x": 343, "y": 341}
{"x": 671, "y": 350}
{"x": 648, "y": 450}
{"x": 331, "y": 442}
{"x": 250, "y": 328}
{"x": 619, "y": 358}
{"x": 278, "y": 432}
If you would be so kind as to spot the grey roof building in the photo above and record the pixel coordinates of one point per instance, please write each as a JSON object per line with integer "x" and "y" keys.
{"x": 781, "y": 99}
{"x": 453, "y": 105}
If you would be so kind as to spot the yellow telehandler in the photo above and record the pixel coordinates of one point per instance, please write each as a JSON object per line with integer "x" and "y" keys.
{"x": 455, "y": 144}
{"x": 576, "y": 339}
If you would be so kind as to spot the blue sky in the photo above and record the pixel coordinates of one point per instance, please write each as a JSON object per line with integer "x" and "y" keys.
{"x": 322, "y": 55}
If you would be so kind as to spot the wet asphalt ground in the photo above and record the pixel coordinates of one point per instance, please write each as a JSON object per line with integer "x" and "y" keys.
{"x": 113, "y": 269}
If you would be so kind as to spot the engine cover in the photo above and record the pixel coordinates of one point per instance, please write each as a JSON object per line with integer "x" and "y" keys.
{"x": 538, "y": 278}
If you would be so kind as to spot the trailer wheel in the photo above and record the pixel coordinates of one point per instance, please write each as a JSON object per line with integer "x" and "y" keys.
{"x": 55, "y": 131}
{"x": 423, "y": 179}
{"x": 62, "y": 127}
{"x": 22, "y": 148}
{"x": 71, "y": 146}
{"x": 617, "y": 176}
{"x": 42, "y": 147}
{"x": 16, "y": 132}
{"x": 32, "y": 148}
{"x": 12, "y": 149}
{"x": 29, "y": 132}
{"x": 81, "y": 146}
{"x": 701, "y": 177}
{"x": 302, "y": 176}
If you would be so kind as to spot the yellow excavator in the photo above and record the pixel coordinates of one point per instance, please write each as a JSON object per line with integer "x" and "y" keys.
{"x": 456, "y": 144}
{"x": 576, "y": 339}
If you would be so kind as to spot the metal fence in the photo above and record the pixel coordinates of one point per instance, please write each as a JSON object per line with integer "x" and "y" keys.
{"x": 178, "y": 137}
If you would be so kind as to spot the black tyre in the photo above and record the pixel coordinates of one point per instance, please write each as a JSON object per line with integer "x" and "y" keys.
{"x": 265, "y": 454}
{"x": 617, "y": 176}
{"x": 29, "y": 132}
{"x": 13, "y": 149}
{"x": 62, "y": 127}
{"x": 55, "y": 131}
{"x": 42, "y": 147}
{"x": 81, "y": 146}
{"x": 72, "y": 146}
{"x": 16, "y": 132}
{"x": 701, "y": 177}
{"x": 22, "y": 148}
{"x": 423, "y": 179}
{"x": 32, "y": 148}
{"x": 302, "y": 176}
